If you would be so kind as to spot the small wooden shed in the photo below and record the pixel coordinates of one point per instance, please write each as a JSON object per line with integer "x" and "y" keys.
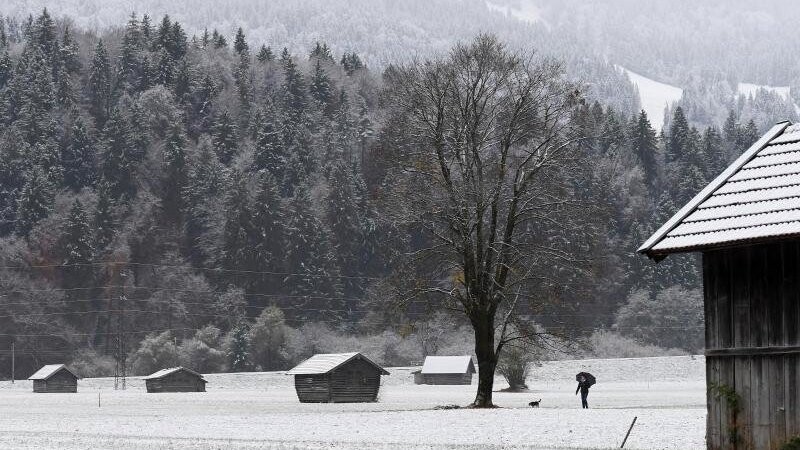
{"x": 54, "y": 378}
{"x": 175, "y": 379}
{"x": 337, "y": 378}
{"x": 746, "y": 224}
{"x": 446, "y": 370}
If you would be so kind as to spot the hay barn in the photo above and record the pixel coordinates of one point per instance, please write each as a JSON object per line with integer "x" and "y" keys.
{"x": 445, "y": 370}
{"x": 54, "y": 378}
{"x": 176, "y": 379}
{"x": 746, "y": 224}
{"x": 337, "y": 378}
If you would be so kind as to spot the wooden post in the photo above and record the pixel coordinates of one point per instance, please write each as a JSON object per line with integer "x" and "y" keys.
{"x": 628, "y": 433}
{"x": 13, "y": 355}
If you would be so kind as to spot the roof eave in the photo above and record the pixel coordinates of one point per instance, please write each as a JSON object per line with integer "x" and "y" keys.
{"x": 687, "y": 209}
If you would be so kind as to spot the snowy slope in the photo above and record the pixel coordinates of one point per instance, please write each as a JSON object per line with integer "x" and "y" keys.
{"x": 260, "y": 410}
{"x": 654, "y": 96}
{"x": 750, "y": 89}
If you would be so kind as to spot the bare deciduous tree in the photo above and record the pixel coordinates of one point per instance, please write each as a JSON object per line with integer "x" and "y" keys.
{"x": 486, "y": 173}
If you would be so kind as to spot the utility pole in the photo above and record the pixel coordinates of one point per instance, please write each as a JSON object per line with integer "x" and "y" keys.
{"x": 13, "y": 357}
{"x": 120, "y": 372}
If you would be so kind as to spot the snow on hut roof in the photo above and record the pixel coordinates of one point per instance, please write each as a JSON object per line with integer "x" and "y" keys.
{"x": 756, "y": 199}
{"x": 49, "y": 370}
{"x": 164, "y": 372}
{"x": 448, "y": 364}
{"x": 325, "y": 362}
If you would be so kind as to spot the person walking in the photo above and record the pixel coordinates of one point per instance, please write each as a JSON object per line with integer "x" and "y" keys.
{"x": 583, "y": 387}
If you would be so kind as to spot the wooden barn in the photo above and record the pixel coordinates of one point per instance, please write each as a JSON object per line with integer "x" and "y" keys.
{"x": 446, "y": 370}
{"x": 176, "y": 379}
{"x": 746, "y": 224}
{"x": 337, "y": 378}
{"x": 54, "y": 378}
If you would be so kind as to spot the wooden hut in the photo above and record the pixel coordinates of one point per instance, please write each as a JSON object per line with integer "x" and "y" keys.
{"x": 54, "y": 378}
{"x": 746, "y": 224}
{"x": 175, "y": 379}
{"x": 337, "y": 378}
{"x": 446, "y": 370}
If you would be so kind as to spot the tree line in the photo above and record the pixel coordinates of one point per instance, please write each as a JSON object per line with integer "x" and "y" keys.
{"x": 215, "y": 194}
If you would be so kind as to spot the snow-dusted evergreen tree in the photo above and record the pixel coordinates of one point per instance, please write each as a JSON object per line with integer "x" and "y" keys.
{"x": 78, "y": 158}
{"x": 320, "y": 86}
{"x": 235, "y": 249}
{"x": 175, "y": 174}
{"x": 645, "y": 146}
{"x": 269, "y": 153}
{"x": 205, "y": 181}
{"x": 118, "y": 157}
{"x": 310, "y": 256}
{"x": 103, "y": 220}
{"x": 77, "y": 247}
{"x": 35, "y": 200}
{"x": 265, "y": 54}
{"x": 99, "y": 87}
{"x": 224, "y": 137}
{"x": 240, "y": 43}
{"x": 267, "y": 235}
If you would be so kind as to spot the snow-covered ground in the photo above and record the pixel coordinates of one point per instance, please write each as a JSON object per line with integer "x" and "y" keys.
{"x": 748, "y": 89}
{"x": 260, "y": 410}
{"x": 654, "y": 95}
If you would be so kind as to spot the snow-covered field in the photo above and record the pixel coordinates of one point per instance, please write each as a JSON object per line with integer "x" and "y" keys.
{"x": 260, "y": 410}
{"x": 654, "y": 95}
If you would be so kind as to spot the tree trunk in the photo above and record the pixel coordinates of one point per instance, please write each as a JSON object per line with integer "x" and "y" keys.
{"x": 487, "y": 362}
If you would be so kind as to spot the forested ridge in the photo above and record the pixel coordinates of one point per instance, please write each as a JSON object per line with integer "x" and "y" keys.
{"x": 231, "y": 199}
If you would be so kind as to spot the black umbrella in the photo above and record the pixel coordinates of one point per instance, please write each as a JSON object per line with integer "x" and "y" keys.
{"x": 590, "y": 379}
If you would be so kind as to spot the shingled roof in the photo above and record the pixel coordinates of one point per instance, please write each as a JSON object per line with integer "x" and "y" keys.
{"x": 756, "y": 199}
{"x": 325, "y": 362}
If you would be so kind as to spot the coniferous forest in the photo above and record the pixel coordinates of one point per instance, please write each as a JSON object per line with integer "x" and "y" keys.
{"x": 206, "y": 199}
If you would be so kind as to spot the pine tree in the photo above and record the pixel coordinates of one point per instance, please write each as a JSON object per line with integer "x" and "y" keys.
{"x": 240, "y": 348}
{"x": 175, "y": 174}
{"x": 265, "y": 54}
{"x": 269, "y": 154}
{"x": 100, "y": 85}
{"x": 118, "y": 157}
{"x": 645, "y": 147}
{"x": 240, "y": 43}
{"x": 309, "y": 255}
{"x": 146, "y": 32}
{"x": 345, "y": 218}
{"x": 713, "y": 153}
{"x": 218, "y": 40}
{"x": 77, "y": 248}
{"x": 6, "y": 69}
{"x": 78, "y": 158}
{"x": 204, "y": 183}
{"x": 165, "y": 72}
{"x": 43, "y": 35}
{"x": 748, "y": 136}
{"x": 320, "y": 87}
{"x": 235, "y": 252}
{"x": 224, "y": 138}
{"x": 69, "y": 53}
{"x": 35, "y": 200}
{"x": 129, "y": 64}
{"x": 351, "y": 63}
{"x": 321, "y": 52}
{"x": 103, "y": 222}
{"x": 183, "y": 81}
{"x": 267, "y": 234}
{"x": 678, "y": 145}
{"x": 33, "y": 96}
{"x": 294, "y": 90}
{"x": 243, "y": 81}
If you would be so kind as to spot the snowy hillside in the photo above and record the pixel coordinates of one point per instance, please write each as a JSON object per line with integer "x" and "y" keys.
{"x": 654, "y": 95}
{"x": 260, "y": 410}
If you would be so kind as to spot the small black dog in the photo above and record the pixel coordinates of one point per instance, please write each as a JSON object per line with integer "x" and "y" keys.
{"x": 535, "y": 403}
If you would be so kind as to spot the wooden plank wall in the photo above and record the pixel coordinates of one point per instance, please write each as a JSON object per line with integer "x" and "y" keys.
{"x": 752, "y": 307}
